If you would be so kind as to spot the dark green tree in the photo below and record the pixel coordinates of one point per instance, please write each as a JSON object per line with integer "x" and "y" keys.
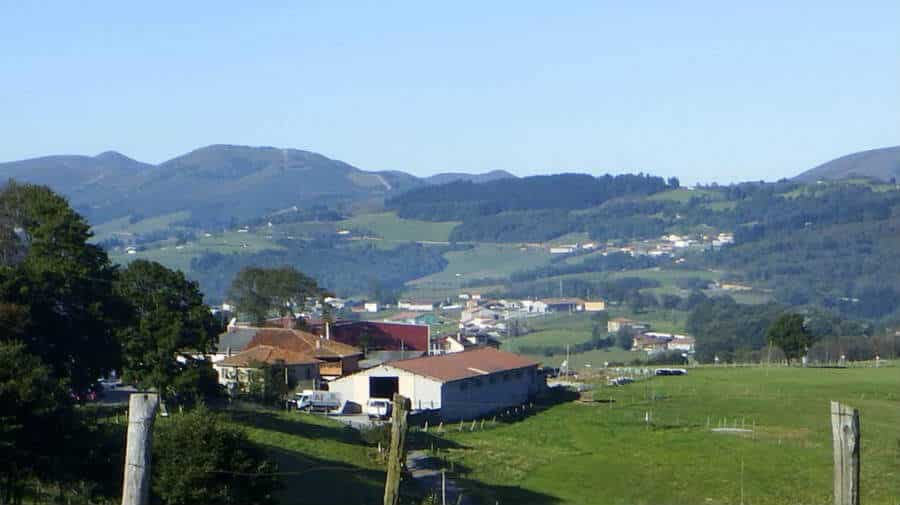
{"x": 625, "y": 338}
{"x": 790, "y": 335}
{"x": 62, "y": 284}
{"x": 262, "y": 292}
{"x": 34, "y": 415}
{"x": 168, "y": 321}
{"x": 198, "y": 457}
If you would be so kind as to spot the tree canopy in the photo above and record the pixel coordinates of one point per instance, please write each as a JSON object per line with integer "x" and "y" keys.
{"x": 263, "y": 292}
{"x": 168, "y": 321}
{"x": 59, "y": 284}
{"x": 790, "y": 335}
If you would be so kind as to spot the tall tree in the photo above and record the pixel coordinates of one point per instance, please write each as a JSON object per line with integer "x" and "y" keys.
{"x": 790, "y": 335}
{"x": 61, "y": 284}
{"x": 169, "y": 321}
{"x": 262, "y": 292}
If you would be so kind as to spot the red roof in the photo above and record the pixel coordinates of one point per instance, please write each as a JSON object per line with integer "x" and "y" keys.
{"x": 382, "y": 335}
{"x": 462, "y": 365}
{"x": 268, "y": 355}
{"x": 302, "y": 342}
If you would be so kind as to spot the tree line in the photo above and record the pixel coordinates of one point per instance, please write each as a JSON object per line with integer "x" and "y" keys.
{"x": 68, "y": 317}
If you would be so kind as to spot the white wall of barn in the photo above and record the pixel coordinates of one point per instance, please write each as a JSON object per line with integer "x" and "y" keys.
{"x": 423, "y": 392}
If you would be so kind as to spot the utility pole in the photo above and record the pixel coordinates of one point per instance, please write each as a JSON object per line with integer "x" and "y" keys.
{"x": 142, "y": 409}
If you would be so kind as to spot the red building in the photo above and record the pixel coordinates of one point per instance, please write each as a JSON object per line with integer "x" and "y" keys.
{"x": 379, "y": 335}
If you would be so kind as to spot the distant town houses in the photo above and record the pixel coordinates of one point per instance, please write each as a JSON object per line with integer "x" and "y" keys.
{"x": 654, "y": 342}
{"x": 623, "y": 323}
{"x": 416, "y": 305}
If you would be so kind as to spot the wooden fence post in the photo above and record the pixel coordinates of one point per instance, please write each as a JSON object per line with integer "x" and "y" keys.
{"x": 845, "y": 436}
{"x": 142, "y": 409}
{"x": 398, "y": 450}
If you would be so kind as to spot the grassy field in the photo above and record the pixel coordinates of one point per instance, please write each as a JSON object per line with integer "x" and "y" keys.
{"x": 483, "y": 261}
{"x": 684, "y": 195}
{"x": 323, "y": 461}
{"x": 180, "y": 257}
{"x": 604, "y": 453}
{"x": 124, "y": 225}
{"x": 553, "y": 330}
{"x": 390, "y": 227}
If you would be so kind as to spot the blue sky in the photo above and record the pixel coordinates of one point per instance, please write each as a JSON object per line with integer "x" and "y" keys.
{"x": 707, "y": 91}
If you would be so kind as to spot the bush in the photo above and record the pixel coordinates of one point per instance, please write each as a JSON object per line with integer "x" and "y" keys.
{"x": 199, "y": 458}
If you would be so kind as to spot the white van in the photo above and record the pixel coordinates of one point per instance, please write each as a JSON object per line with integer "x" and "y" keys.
{"x": 317, "y": 400}
{"x": 379, "y": 408}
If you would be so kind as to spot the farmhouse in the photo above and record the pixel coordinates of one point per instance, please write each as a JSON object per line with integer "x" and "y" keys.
{"x": 564, "y": 304}
{"x": 595, "y": 306}
{"x": 335, "y": 359}
{"x": 238, "y": 372}
{"x": 416, "y": 305}
{"x": 618, "y": 323}
{"x": 462, "y": 385}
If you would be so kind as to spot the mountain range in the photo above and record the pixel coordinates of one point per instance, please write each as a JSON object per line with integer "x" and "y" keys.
{"x": 219, "y": 184}
{"x": 882, "y": 164}
{"x": 215, "y": 183}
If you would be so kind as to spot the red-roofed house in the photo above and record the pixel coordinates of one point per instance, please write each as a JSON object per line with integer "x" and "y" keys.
{"x": 462, "y": 385}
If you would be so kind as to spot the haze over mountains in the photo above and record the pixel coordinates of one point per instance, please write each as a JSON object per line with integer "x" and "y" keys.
{"x": 218, "y": 180}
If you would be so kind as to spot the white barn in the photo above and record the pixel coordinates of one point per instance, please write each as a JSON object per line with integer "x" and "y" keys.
{"x": 462, "y": 385}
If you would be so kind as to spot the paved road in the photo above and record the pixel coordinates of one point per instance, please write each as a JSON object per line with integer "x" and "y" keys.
{"x": 426, "y": 471}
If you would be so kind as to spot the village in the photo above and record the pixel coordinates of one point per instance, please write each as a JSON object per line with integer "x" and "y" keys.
{"x": 447, "y": 358}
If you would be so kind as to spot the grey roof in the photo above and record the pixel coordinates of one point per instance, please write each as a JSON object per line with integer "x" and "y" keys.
{"x": 235, "y": 340}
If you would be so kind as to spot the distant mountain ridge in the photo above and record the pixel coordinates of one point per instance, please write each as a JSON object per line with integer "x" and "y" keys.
{"x": 446, "y": 177}
{"x": 883, "y": 164}
{"x": 216, "y": 183}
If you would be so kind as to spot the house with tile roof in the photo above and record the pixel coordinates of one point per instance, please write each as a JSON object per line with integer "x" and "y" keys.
{"x": 462, "y": 385}
{"x": 239, "y": 371}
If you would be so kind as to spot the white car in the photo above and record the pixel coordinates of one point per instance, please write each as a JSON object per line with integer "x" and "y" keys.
{"x": 379, "y": 408}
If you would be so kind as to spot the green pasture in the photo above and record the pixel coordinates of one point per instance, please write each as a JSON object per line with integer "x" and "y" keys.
{"x": 124, "y": 225}
{"x": 180, "y": 256}
{"x": 652, "y": 442}
{"x": 483, "y": 261}
{"x": 389, "y": 226}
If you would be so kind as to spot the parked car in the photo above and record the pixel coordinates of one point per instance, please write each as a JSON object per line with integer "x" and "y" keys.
{"x": 620, "y": 381}
{"x": 671, "y": 371}
{"x": 379, "y": 408}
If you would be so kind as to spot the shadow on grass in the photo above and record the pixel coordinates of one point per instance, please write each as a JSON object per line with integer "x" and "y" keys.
{"x": 273, "y": 421}
{"x": 308, "y": 480}
{"x": 481, "y": 493}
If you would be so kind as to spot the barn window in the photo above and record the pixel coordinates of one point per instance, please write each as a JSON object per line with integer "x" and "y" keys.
{"x": 505, "y": 377}
{"x": 518, "y": 375}
{"x": 492, "y": 379}
{"x": 463, "y": 386}
{"x": 308, "y": 373}
{"x": 478, "y": 382}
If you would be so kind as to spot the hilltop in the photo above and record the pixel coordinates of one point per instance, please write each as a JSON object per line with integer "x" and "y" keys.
{"x": 882, "y": 164}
